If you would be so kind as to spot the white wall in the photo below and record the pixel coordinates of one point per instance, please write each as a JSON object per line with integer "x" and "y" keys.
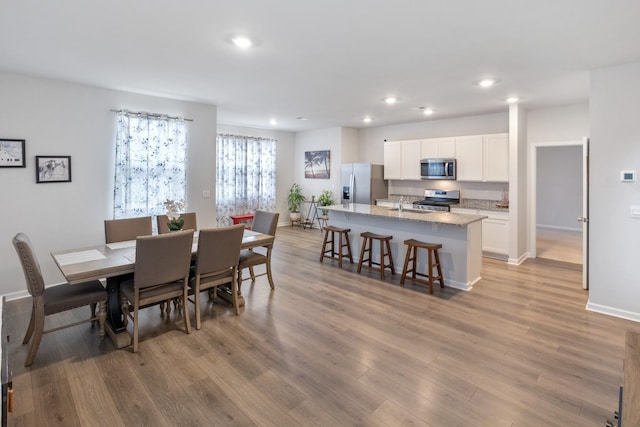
{"x": 285, "y": 158}
{"x": 318, "y": 140}
{"x": 614, "y": 242}
{"x": 558, "y": 168}
{"x": 556, "y": 124}
{"x": 559, "y": 187}
{"x": 57, "y": 118}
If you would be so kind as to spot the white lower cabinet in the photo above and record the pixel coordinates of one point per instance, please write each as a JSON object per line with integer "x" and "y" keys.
{"x": 495, "y": 230}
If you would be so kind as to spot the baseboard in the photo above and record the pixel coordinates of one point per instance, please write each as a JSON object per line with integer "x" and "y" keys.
{"x": 559, "y": 227}
{"x": 16, "y": 295}
{"x": 520, "y": 260}
{"x": 610, "y": 311}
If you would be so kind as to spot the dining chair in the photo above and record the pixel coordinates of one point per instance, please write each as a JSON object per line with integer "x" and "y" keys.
{"x": 190, "y": 222}
{"x": 55, "y": 299}
{"x": 161, "y": 273}
{"x": 267, "y": 223}
{"x": 120, "y": 230}
{"x": 216, "y": 264}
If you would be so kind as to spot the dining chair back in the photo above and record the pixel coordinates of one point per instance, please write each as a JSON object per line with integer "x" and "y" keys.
{"x": 119, "y": 230}
{"x": 55, "y": 299}
{"x": 161, "y": 273}
{"x": 190, "y": 222}
{"x": 216, "y": 264}
{"x": 267, "y": 223}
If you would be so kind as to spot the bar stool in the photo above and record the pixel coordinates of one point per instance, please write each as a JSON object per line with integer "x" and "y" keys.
{"x": 343, "y": 241}
{"x": 433, "y": 262}
{"x": 385, "y": 251}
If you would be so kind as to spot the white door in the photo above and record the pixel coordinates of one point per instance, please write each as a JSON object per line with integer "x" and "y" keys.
{"x": 584, "y": 219}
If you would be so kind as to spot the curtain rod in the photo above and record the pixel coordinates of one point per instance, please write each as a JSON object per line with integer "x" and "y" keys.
{"x": 157, "y": 115}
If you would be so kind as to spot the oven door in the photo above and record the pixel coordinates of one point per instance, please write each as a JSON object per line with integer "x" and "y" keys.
{"x": 438, "y": 168}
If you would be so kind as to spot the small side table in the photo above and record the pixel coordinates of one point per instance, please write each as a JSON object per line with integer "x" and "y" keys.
{"x": 246, "y": 219}
{"x": 312, "y": 214}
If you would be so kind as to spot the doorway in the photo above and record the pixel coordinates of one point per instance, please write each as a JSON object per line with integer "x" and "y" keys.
{"x": 559, "y": 196}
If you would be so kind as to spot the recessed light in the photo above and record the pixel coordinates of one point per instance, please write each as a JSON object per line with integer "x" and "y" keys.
{"x": 512, "y": 99}
{"x": 390, "y": 100}
{"x": 427, "y": 111}
{"x": 301, "y": 118}
{"x": 367, "y": 119}
{"x": 273, "y": 122}
{"x": 486, "y": 83}
{"x": 242, "y": 42}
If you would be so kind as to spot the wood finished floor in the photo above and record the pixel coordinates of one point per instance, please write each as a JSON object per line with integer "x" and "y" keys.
{"x": 559, "y": 245}
{"x": 330, "y": 347}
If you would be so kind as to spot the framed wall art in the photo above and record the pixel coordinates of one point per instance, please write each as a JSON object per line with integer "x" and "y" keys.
{"x": 12, "y": 153}
{"x": 317, "y": 164}
{"x": 53, "y": 169}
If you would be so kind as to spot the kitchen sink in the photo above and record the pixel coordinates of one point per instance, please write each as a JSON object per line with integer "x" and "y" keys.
{"x": 409, "y": 210}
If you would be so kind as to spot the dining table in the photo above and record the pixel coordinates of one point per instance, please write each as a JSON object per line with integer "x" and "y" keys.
{"x": 112, "y": 261}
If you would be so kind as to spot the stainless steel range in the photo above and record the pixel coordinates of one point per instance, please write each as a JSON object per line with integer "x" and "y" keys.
{"x": 438, "y": 200}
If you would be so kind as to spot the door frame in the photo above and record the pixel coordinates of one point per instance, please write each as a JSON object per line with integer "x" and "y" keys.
{"x": 532, "y": 213}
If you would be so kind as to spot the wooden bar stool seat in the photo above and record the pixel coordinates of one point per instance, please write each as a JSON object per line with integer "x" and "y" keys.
{"x": 336, "y": 251}
{"x": 433, "y": 261}
{"x": 385, "y": 252}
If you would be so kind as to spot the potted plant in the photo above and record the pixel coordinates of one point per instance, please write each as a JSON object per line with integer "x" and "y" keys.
{"x": 174, "y": 210}
{"x": 326, "y": 199}
{"x": 295, "y": 200}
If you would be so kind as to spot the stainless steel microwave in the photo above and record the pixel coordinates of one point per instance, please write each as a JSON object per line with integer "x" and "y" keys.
{"x": 438, "y": 168}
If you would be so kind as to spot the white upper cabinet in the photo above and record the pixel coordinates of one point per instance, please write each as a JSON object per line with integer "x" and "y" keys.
{"x": 483, "y": 158}
{"x": 411, "y": 159}
{"x": 438, "y": 148}
{"x": 496, "y": 157}
{"x": 393, "y": 160}
{"x": 469, "y": 151}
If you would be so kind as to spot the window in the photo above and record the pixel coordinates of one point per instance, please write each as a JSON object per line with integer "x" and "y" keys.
{"x": 245, "y": 176}
{"x": 150, "y": 164}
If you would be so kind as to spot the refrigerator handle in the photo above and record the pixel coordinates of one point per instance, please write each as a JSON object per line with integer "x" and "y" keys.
{"x": 352, "y": 183}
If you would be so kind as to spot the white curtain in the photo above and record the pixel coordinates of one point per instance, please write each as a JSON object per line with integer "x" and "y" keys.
{"x": 245, "y": 176}
{"x": 150, "y": 164}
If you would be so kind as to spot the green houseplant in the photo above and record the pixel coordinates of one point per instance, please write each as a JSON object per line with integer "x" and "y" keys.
{"x": 326, "y": 199}
{"x": 295, "y": 198}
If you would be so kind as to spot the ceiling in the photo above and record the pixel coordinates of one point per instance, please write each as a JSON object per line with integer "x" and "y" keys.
{"x": 332, "y": 61}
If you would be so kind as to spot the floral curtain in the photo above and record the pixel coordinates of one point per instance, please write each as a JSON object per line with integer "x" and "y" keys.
{"x": 245, "y": 176}
{"x": 150, "y": 164}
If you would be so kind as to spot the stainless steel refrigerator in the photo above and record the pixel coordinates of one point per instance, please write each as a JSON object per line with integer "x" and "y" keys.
{"x": 362, "y": 183}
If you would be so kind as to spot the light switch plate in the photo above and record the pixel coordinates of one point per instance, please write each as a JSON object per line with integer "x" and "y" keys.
{"x": 635, "y": 211}
{"x": 206, "y": 194}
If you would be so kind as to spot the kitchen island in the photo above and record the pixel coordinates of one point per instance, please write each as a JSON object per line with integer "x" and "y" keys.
{"x": 459, "y": 234}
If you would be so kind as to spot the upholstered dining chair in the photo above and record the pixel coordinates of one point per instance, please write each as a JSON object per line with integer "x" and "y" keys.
{"x": 216, "y": 264}
{"x": 161, "y": 273}
{"x": 190, "y": 222}
{"x": 120, "y": 230}
{"x": 55, "y": 299}
{"x": 267, "y": 223}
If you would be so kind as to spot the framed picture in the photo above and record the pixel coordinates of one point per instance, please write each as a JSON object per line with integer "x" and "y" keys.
{"x": 12, "y": 153}
{"x": 53, "y": 169}
{"x": 317, "y": 164}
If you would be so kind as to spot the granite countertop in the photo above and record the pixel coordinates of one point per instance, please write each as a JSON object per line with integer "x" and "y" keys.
{"x": 407, "y": 214}
{"x": 482, "y": 204}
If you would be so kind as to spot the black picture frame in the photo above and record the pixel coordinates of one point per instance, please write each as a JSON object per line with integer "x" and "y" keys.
{"x": 53, "y": 169}
{"x": 12, "y": 153}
